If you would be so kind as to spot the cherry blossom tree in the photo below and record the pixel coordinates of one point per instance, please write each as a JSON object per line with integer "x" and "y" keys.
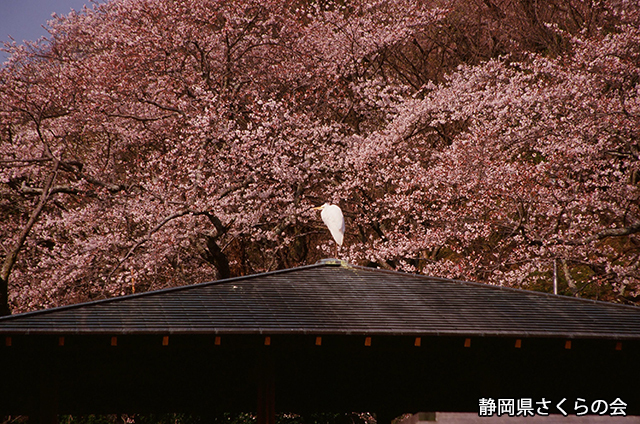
{"x": 173, "y": 142}
{"x": 514, "y": 166}
{"x": 154, "y": 143}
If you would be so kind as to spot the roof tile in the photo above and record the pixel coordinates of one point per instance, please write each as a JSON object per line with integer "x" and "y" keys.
{"x": 329, "y": 299}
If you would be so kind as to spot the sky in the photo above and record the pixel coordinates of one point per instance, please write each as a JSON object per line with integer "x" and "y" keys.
{"x": 23, "y": 19}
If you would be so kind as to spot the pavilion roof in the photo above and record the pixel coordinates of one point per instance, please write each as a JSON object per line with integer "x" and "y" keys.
{"x": 332, "y": 297}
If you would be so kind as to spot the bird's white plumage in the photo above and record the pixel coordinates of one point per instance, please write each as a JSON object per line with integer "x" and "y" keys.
{"x": 334, "y": 220}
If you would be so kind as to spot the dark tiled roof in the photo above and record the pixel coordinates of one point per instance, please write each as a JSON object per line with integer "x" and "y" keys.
{"x": 338, "y": 299}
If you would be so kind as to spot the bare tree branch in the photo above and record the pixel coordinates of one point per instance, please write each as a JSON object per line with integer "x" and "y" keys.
{"x": 610, "y": 232}
{"x": 24, "y": 188}
{"x": 113, "y": 188}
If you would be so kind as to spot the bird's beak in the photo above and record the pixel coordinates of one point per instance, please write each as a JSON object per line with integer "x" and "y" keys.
{"x": 317, "y": 208}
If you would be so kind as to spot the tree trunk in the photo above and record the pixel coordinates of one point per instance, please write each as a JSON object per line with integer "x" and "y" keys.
{"x": 12, "y": 256}
{"x": 4, "y": 297}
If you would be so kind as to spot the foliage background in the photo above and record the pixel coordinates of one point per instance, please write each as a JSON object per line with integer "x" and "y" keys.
{"x": 151, "y": 143}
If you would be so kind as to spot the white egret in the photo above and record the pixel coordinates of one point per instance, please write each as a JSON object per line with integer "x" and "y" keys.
{"x": 334, "y": 220}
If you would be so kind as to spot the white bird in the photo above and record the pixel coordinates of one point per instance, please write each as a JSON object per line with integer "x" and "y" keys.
{"x": 334, "y": 220}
